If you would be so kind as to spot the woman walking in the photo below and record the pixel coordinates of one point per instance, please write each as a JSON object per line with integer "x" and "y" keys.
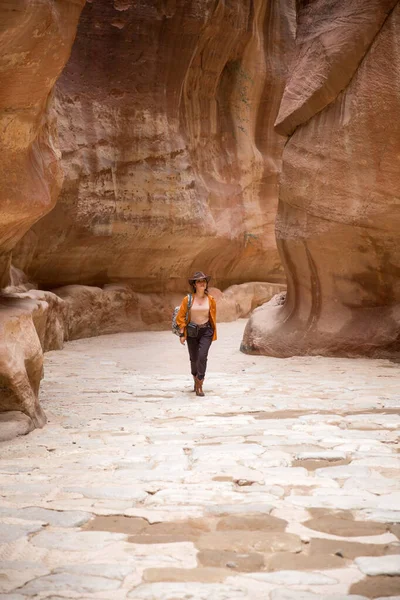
{"x": 197, "y": 320}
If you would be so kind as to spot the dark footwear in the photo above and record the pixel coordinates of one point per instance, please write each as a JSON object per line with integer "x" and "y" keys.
{"x": 194, "y": 383}
{"x": 199, "y": 387}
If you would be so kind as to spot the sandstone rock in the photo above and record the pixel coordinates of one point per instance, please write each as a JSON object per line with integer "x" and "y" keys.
{"x": 19, "y": 282}
{"x": 21, "y": 359}
{"x": 332, "y": 38}
{"x": 14, "y": 423}
{"x": 238, "y": 301}
{"x": 35, "y": 41}
{"x": 30, "y": 324}
{"x": 338, "y": 220}
{"x": 165, "y": 114}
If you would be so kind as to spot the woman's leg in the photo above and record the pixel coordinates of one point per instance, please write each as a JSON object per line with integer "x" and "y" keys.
{"x": 205, "y": 340}
{"x": 193, "y": 347}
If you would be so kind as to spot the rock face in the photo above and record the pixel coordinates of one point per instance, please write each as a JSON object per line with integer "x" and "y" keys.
{"x": 21, "y": 357}
{"x": 35, "y": 42}
{"x": 165, "y": 114}
{"x": 338, "y": 219}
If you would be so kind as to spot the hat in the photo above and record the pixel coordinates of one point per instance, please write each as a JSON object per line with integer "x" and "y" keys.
{"x": 199, "y": 275}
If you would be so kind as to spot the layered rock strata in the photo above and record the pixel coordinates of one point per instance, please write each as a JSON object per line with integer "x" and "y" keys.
{"x": 338, "y": 219}
{"x": 165, "y": 114}
{"x": 35, "y": 42}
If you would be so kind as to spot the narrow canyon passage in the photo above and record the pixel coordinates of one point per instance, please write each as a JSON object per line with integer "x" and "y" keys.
{"x": 282, "y": 483}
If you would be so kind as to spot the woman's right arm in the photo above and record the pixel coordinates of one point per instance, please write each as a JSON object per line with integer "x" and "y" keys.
{"x": 181, "y": 316}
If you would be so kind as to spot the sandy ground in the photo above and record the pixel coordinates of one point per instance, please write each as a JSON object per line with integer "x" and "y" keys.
{"x": 282, "y": 483}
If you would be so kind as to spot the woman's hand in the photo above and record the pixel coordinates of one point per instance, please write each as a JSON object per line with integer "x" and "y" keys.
{"x": 182, "y": 341}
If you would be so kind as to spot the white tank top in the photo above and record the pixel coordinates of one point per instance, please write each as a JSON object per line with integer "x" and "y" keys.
{"x": 200, "y": 313}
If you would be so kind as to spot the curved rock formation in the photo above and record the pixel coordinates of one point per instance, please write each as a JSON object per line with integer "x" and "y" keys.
{"x": 339, "y": 213}
{"x": 165, "y": 113}
{"x": 27, "y": 326}
{"x": 35, "y": 42}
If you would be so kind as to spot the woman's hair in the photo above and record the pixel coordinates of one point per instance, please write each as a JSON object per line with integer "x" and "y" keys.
{"x": 193, "y": 286}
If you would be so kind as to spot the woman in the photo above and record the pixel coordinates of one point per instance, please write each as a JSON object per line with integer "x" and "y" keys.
{"x": 198, "y": 326}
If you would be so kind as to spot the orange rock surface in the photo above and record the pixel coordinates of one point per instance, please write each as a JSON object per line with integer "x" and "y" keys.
{"x": 35, "y": 43}
{"x": 165, "y": 114}
{"x": 338, "y": 220}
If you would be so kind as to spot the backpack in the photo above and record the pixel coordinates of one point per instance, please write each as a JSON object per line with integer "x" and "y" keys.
{"x": 175, "y": 327}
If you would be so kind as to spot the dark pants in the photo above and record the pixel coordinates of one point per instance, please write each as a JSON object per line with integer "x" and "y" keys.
{"x": 198, "y": 350}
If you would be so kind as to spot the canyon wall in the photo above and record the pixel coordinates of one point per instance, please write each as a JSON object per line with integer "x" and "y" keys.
{"x": 165, "y": 114}
{"x": 338, "y": 219}
{"x": 35, "y": 43}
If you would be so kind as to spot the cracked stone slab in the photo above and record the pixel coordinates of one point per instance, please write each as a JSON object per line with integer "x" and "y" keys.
{"x": 376, "y": 484}
{"x": 14, "y": 574}
{"x": 109, "y": 571}
{"x": 389, "y": 501}
{"x": 339, "y": 502}
{"x": 186, "y": 591}
{"x": 110, "y": 492}
{"x": 343, "y": 471}
{"x": 75, "y": 541}
{"x": 67, "y": 581}
{"x": 11, "y": 532}
{"x": 67, "y": 518}
{"x": 294, "y": 578}
{"x": 379, "y": 565}
{"x": 382, "y": 516}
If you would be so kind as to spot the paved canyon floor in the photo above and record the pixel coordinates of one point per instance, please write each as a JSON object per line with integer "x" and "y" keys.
{"x": 281, "y": 484}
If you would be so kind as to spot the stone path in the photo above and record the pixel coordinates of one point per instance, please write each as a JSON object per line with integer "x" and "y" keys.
{"x": 281, "y": 484}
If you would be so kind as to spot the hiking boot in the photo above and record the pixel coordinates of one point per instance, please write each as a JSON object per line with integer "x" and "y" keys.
{"x": 199, "y": 387}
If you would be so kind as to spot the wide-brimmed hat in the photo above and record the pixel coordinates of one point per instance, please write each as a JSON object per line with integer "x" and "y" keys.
{"x": 199, "y": 275}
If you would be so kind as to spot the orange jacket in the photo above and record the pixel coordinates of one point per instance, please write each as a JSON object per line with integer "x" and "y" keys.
{"x": 181, "y": 316}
